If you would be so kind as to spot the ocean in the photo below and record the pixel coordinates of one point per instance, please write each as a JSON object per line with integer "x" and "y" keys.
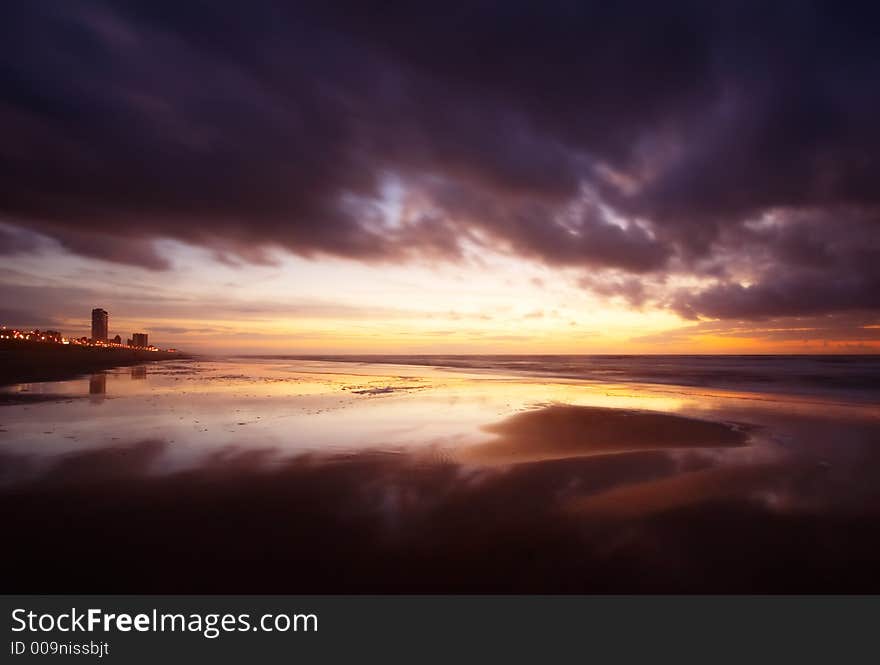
{"x": 852, "y": 376}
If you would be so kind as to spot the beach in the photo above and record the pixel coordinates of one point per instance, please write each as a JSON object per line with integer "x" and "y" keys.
{"x": 284, "y": 474}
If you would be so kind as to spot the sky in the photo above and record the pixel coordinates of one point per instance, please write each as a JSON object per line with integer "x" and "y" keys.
{"x": 490, "y": 177}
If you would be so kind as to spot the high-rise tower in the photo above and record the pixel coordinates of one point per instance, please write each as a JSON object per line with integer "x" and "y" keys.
{"x": 100, "y": 319}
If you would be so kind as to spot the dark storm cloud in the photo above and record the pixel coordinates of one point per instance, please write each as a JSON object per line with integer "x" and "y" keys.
{"x": 638, "y": 138}
{"x": 631, "y": 289}
{"x": 784, "y": 295}
{"x": 803, "y": 264}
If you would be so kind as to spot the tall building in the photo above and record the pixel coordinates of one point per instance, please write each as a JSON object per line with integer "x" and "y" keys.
{"x": 139, "y": 339}
{"x": 100, "y": 319}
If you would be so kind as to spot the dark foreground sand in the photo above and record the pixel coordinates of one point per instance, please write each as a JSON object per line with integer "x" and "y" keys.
{"x": 638, "y": 521}
{"x": 29, "y": 362}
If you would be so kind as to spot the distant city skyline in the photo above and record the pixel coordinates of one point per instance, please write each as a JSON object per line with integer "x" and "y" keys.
{"x": 100, "y": 330}
{"x": 99, "y": 333}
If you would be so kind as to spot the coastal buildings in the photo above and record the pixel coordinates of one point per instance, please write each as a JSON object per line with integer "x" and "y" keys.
{"x": 52, "y": 336}
{"x": 100, "y": 320}
{"x": 99, "y": 338}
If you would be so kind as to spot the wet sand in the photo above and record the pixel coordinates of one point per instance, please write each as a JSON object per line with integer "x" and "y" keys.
{"x": 101, "y": 522}
{"x": 276, "y": 478}
{"x": 562, "y": 431}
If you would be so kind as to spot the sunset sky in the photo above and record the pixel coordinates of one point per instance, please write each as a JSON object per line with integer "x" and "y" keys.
{"x": 629, "y": 177}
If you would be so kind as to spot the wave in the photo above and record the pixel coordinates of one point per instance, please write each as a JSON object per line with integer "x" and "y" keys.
{"x": 852, "y": 375}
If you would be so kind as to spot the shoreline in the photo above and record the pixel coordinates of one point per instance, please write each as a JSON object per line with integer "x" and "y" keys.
{"x": 849, "y": 377}
{"x": 33, "y": 362}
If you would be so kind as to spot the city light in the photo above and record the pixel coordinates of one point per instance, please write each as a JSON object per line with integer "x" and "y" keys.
{"x": 138, "y": 341}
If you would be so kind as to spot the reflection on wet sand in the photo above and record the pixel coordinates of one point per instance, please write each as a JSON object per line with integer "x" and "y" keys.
{"x": 98, "y": 384}
{"x": 685, "y": 489}
{"x": 225, "y": 480}
{"x": 252, "y": 521}
{"x": 569, "y": 431}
